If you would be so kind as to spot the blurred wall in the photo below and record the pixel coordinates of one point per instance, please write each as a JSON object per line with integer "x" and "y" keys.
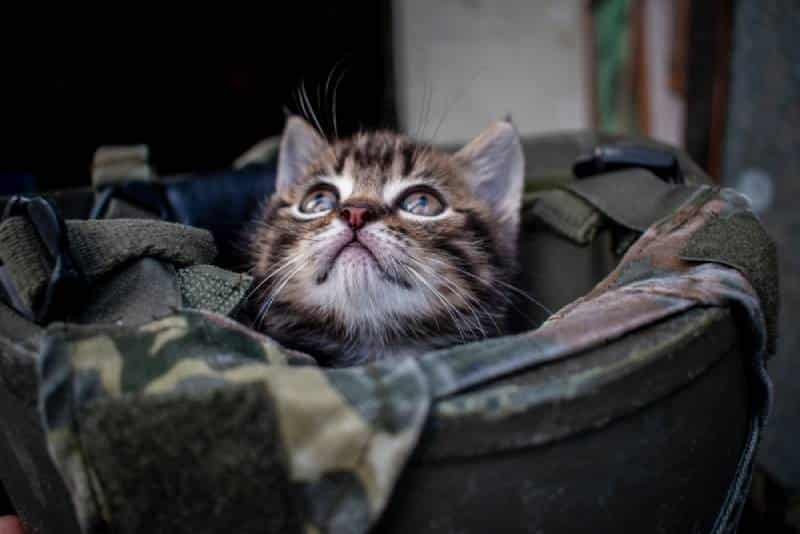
{"x": 762, "y": 160}
{"x": 667, "y": 108}
{"x": 462, "y": 63}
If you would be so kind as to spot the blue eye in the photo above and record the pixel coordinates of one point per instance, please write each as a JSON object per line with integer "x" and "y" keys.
{"x": 422, "y": 203}
{"x": 318, "y": 200}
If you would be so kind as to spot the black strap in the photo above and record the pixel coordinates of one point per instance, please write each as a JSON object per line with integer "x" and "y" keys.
{"x": 66, "y": 282}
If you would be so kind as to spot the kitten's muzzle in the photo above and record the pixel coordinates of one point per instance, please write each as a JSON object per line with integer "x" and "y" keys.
{"x": 361, "y": 243}
{"x": 355, "y": 241}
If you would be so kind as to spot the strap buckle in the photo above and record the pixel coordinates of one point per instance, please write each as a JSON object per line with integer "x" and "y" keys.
{"x": 67, "y": 283}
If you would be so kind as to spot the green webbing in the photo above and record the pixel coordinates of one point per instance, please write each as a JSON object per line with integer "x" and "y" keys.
{"x": 210, "y": 288}
{"x": 98, "y": 247}
{"x": 567, "y": 214}
{"x": 633, "y": 198}
{"x": 120, "y": 164}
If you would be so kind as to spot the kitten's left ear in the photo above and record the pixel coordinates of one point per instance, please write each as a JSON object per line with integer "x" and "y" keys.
{"x": 299, "y": 145}
{"x": 495, "y": 168}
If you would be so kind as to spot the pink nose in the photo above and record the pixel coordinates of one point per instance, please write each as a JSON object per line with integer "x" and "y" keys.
{"x": 355, "y": 216}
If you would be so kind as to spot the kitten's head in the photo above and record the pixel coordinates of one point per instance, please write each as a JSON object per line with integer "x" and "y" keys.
{"x": 376, "y": 244}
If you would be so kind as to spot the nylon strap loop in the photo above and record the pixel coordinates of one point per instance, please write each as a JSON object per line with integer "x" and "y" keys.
{"x": 634, "y": 198}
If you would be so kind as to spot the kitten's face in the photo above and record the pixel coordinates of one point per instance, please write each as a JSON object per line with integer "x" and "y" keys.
{"x": 375, "y": 245}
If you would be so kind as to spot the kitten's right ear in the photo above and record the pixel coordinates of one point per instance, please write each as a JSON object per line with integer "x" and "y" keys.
{"x": 495, "y": 168}
{"x": 299, "y": 145}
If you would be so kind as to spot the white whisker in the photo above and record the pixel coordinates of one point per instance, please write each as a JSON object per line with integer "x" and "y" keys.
{"x": 488, "y": 284}
{"x": 333, "y": 103}
{"x": 274, "y": 294}
{"x": 465, "y": 298}
{"x": 451, "y": 310}
{"x": 313, "y": 116}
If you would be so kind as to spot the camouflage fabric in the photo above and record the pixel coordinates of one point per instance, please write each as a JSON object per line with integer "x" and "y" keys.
{"x": 193, "y": 423}
{"x": 232, "y": 429}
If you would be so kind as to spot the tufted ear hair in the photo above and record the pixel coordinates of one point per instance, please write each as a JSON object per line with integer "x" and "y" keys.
{"x": 299, "y": 145}
{"x": 495, "y": 169}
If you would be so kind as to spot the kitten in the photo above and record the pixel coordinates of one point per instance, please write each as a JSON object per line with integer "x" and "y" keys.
{"x": 378, "y": 246}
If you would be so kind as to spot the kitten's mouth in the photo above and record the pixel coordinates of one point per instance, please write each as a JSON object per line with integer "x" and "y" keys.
{"x": 352, "y": 244}
{"x": 356, "y": 245}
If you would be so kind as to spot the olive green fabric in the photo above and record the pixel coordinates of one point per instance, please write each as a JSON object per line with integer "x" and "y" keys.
{"x": 118, "y": 164}
{"x": 634, "y": 198}
{"x": 98, "y": 247}
{"x": 207, "y": 287}
{"x": 557, "y": 271}
{"x": 137, "y": 292}
{"x": 147, "y": 436}
{"x": 567, "y": 214}
{"x": 737, "y": 239}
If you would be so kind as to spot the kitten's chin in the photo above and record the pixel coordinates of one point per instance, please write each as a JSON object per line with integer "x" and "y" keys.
{"x": 359, "y": 293}
{"x": 353, "y": 264}
{"x": 356, "y": 264}
{"x": 356, "y": 256}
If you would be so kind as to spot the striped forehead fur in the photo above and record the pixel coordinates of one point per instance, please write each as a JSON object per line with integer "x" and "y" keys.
{"x": 374, "y": 159}
{"x": 423, "y": 282}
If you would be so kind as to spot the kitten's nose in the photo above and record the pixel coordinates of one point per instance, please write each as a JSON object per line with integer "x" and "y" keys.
{"x": 356, "y": 216}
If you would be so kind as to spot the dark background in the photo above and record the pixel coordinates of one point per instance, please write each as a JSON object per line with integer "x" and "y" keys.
{"x": 199, "y": 96}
